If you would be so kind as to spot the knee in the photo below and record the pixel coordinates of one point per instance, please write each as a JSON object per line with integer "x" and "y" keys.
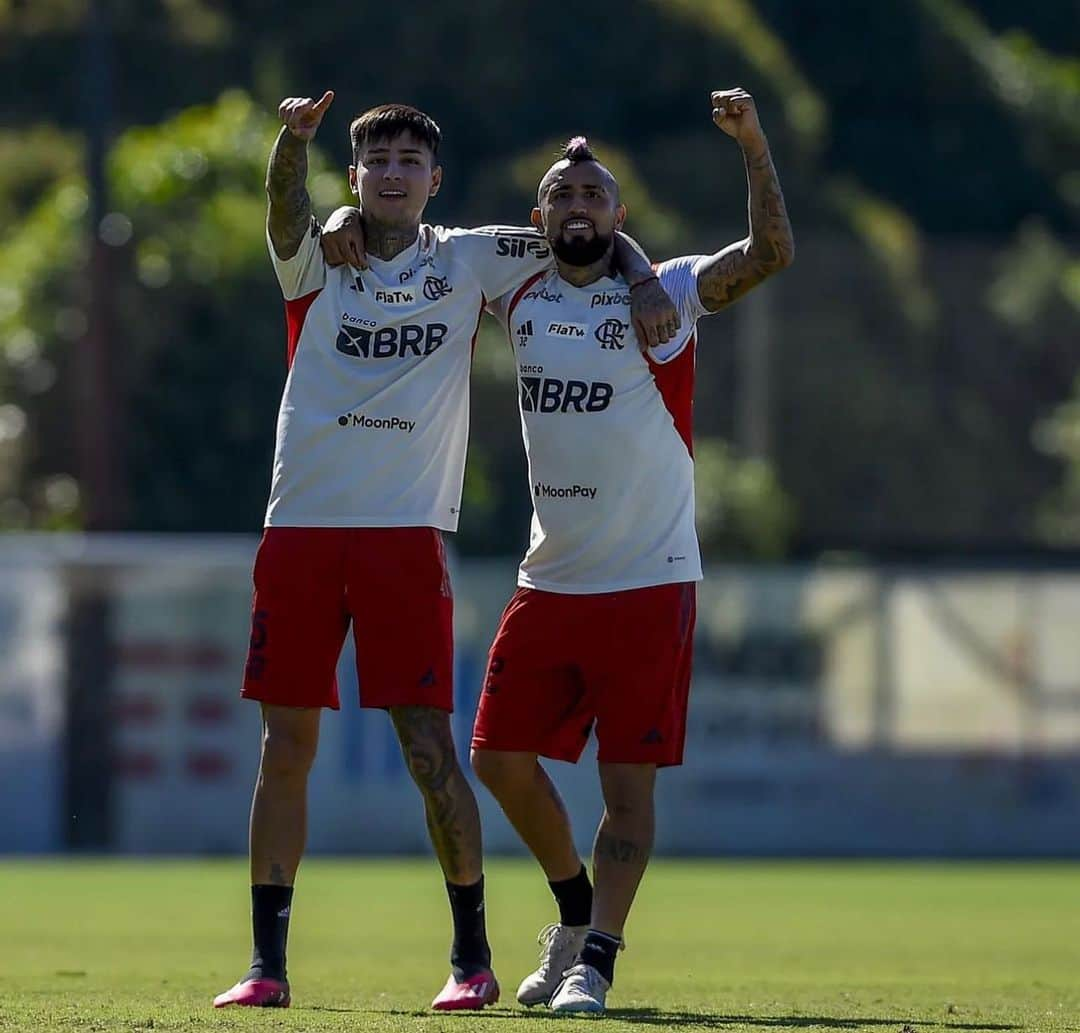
{"x": 287, "y": 752}
{"x": 501, "y": 772}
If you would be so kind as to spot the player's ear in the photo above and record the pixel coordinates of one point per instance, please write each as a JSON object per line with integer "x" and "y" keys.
{"x": 354, "y": 185}
{"x": 537, "y": 219}
{"x": 436, "y": 181}
{"x": 620, "y": 216}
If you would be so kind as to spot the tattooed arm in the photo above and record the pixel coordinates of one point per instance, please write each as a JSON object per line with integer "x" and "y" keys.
{"x": 289, "y": 214}
{"x": 729, "y": 274}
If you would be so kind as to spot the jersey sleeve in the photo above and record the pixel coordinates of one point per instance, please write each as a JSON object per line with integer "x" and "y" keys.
{"x": 501, "y": 257}
{"x": 306, "y": 270}
{"x": 679, "y": 278}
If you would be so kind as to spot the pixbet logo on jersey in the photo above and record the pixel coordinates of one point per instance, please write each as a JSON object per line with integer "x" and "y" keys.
{"x": 519, "y": 247}
{"x": 543, "y": 294}
{"x": 358, "y": 419}
{"x": 609, "y": 298}
{"x": 548, "y": 394}
{"x": 573, "y": 491}
{"x": 389, "y": 342}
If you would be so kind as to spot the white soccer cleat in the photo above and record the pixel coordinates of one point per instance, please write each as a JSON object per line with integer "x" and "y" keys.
{"x": 560, "y": 945}
{"x": 583, "y": 989}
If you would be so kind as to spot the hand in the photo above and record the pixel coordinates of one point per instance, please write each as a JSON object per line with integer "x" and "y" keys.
{"x": 343, "y": 241}
{"x": 301, "y": 115}
{"x": 655, "y": 318}
{"x": 735, "y": 112}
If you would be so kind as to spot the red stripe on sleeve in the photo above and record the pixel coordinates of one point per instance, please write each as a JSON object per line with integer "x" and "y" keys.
{"x": 675, "y": 382}
{"x": 295, "y": 313}
{"x": 476, "y": 329}
{"x": 519, "y": 292}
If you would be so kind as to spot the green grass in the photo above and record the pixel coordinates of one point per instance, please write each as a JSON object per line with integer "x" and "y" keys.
{"x": 119, "y": 945}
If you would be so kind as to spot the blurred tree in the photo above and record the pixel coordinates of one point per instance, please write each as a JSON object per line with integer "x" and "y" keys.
{"x": 928, "y": 153}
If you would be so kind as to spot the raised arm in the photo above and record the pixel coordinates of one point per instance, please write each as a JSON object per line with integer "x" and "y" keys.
{"x": 288, "y": 217}
{"x": 729, "y": 274}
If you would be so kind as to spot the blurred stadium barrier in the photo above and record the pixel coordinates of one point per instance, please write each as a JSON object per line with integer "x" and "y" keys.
{"x": 834, "y": 711}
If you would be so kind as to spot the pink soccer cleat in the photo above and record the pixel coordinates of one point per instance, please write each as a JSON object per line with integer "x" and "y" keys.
{"x": 470, "y": 994}
{"x": 256, "y": 993}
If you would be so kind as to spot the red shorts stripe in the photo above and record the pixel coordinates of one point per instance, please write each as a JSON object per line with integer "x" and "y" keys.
{"x": 561, "y": 665}
{"x": 389, "y": 583}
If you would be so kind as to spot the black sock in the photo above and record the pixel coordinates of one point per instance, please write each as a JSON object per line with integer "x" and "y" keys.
{"x": 574, "y": 897}
{"x": 470, "y": 953}
{"x": 599, "y": 951}
{"x": 270, "y": 907}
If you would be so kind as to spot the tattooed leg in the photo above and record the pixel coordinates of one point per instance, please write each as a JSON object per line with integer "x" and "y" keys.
{"x": 623, "y": 842}
{"x": 453, "y": 820}
{"x": 279, "y": 807}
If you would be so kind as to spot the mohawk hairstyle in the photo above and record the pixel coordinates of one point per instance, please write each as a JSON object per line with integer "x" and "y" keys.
{"x": 577, "y": 149}
{"x": 387, "y": 120}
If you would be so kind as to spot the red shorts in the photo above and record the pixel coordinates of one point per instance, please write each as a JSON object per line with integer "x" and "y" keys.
{"x": 390, "y": 583}
{"x": 561, "y": 664}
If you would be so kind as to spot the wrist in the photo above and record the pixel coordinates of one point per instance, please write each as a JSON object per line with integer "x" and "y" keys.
{"x": 755, "y": 150}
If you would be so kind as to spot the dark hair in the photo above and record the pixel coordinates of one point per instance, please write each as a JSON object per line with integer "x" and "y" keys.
{"x": 387, "y": 121}
{"x": 577, "y": 149}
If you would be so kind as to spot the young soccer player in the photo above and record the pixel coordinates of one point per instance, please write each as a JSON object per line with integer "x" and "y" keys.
{"x": 598, "y": 634}
{"x": 367, "y": 476}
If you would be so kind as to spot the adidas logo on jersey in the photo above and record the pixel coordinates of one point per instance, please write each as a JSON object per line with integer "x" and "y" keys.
{"x": 547, "y": 394}
{"x": 557, "y": 329}
{"x": 574, "y": 491}
{"x": 524, "y": 332}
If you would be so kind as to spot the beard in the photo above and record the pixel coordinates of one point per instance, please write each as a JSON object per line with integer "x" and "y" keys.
{"x": 581, "y": 251}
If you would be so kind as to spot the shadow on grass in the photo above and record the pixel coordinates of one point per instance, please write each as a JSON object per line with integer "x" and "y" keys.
{"x": 675, "y": 1019}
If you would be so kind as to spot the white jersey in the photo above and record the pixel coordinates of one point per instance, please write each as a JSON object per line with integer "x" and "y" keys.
{"x": 607, "y": 433}
{"x": 374, "y": 418}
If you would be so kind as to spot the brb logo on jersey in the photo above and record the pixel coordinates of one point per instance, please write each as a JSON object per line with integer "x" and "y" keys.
{"x": 610, "y": 333}
{"x": 391, "y": 342}
{"x": 549, "y": 394}
{"x": 519, "y": 247}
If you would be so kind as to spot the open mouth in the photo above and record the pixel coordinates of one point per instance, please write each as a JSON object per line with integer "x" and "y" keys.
{"x": 577, "y": 226}
{"x": 392, "y": 195}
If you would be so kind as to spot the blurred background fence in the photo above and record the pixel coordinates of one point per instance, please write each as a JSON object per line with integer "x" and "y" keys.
{"x": 848, "y": 710}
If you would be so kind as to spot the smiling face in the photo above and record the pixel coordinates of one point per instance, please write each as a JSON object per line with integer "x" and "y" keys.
{"x": 578, "y": 211}
{"x": 393, "y": 177}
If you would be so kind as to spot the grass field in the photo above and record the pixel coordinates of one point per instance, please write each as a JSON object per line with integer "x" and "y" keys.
{"x": 118, "y": 945}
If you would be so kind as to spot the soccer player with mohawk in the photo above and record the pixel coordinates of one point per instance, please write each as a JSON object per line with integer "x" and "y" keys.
{"x": 598, "y": 633}
{"x": 367, "y": 476}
